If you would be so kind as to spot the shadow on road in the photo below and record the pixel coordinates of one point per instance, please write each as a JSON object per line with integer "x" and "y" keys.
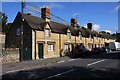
{"x": 105, "y": 56}
{"x": 80, "y": 73}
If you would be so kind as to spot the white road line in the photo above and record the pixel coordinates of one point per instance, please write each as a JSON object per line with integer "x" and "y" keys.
{"x": 25, "y": 68}
{"x": 95, "y": 62}
{"x": 14, "y": 71}
{"x": 58, "y": 74}
{"x": 60, "y": 61}
{"x": 71, "y": 59}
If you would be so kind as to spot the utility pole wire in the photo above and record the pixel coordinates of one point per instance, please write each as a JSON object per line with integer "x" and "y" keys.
{"x": 22, "y": 10}
{"x": 37, "y": 9}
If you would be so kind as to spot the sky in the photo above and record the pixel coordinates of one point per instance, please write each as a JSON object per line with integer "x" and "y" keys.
{"x": 103, "y": 15}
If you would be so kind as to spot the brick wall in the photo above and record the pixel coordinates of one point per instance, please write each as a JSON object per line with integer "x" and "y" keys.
{"x": 10, "y": 55}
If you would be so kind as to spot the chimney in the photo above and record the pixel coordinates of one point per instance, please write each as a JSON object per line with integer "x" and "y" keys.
{"x": 89, "y": 26}
{"x": 73, "y": 22}
{"x": 45, "y": 14}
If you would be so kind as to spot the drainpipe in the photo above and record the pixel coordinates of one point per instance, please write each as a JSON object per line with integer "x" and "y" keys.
{"x": 35, "y": 44}
{"x": 75, "y": 44}
{"x": 60, "y": 45}
{"x": 85, "y": 43}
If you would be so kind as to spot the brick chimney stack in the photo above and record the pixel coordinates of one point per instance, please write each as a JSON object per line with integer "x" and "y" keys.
{"x": 73, "y": 22}
{"x": 89, "y": 26}
{"x": 45, "y": 14}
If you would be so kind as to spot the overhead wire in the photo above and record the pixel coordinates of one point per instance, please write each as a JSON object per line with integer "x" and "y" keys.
{"x": 37, "y": 10}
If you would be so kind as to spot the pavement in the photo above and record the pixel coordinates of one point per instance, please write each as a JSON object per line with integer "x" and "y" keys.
{"x": 103, "y": 66}
{"x": 26, "y": 65}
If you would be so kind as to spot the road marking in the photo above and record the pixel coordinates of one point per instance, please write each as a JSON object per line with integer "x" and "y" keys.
{"x": 71, "y": 59}
{"x": 95, "y": 62}
{"x": 60, "y": 61}
{"x": 58, "y": 74}
{"x": 25, "y": 68}
{"x": 15, "y": 71}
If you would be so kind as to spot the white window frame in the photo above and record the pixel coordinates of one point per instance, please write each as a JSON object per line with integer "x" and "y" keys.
{"x": 47, "y": 32}
{"x": 80, "y": 36}
{"x": 50, "y": 47}
{"x": 96, "y": 37}
{"x": 90, "y": 37}
{"x": 69, "y": 35}
{"x": 66, "y": 46}
{"x": 18, "y": 32}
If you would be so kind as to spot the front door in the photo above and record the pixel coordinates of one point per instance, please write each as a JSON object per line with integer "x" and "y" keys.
{"x": 40, "y": 50}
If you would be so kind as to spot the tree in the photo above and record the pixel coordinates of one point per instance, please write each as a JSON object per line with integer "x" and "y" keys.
{"x": 118, "y": 37}
{"x": 103, "y": 32}
{"x": 4, "y": 21}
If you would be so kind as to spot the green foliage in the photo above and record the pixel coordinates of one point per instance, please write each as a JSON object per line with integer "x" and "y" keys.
{"x": 118, "y": 37}
{"x": 3, "y": 21}
{"x": 102, "y": 32}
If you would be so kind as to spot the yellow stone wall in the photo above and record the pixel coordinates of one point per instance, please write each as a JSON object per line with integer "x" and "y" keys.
{"x": 54, "y": 38}
{"x": 60, "y": 40}
{"x": 109, "y": 40}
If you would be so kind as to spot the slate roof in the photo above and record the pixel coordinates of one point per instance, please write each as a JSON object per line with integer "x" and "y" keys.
{"x": 39, "y": 23}
{"x": 108, "y": 36}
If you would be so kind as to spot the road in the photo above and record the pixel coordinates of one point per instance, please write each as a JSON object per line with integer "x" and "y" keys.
{"x": 102, "y": 66}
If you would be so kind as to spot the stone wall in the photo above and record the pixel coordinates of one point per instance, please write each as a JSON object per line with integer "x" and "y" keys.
{"x": 2, "y": 39}
{"x": 10, "y": 55}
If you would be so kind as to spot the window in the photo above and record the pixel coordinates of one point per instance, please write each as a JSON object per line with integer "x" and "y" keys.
{"x": 96, "y": 37}
{"x": 89, "y": 45}
{"x": 18, "y": 32}
{"x": 50, "y": 47}
{"x": 80, "y": 36}
{"x": 47, "y": 33}
{"x": 66, "y": 47}
{"x": 69, "y": 35}
{"x": 90, "y": 37}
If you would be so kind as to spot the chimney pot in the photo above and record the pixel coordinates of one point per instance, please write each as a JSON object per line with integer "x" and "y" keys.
{"x": 89, "y": 26}
{"x": 73, "y": 22}
{"x": 45, "y": 13}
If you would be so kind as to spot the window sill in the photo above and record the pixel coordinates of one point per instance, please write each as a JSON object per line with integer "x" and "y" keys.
{"x": 50, "y": 51}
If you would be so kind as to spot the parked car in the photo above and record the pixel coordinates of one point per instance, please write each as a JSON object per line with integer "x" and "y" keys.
{"x": 82, "y": 52}
{"x": 114, "y": 46}
{"x": 103, "y": 49}
{"x": 107, "y": 49}
{"x": 96, "y": 51}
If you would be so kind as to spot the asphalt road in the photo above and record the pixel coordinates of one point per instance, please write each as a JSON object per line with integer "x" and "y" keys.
{"x": 102, "y": 66}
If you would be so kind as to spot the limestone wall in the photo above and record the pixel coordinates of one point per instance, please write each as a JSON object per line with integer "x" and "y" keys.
{"x": 10, "y": 55}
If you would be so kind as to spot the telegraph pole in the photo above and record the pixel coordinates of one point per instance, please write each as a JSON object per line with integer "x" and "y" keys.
{"x": 22, "y": 11}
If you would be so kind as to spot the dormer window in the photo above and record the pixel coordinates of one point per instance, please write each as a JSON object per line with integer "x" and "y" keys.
{"x": 80, "y": 36}
{"x": 101, "y": 38}
{"x": 69, "y": 35}
{"x": 18, "y": 32}
{"x": 47, "y": 33}
{"x": 96, "y": 37}
{"x": 90, "y": 37}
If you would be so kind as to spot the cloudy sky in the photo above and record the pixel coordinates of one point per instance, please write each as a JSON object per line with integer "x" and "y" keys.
{"x": 103, "y": 15}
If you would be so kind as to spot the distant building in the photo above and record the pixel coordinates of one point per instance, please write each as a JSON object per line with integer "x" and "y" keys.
{"x": 43, "y": 38}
